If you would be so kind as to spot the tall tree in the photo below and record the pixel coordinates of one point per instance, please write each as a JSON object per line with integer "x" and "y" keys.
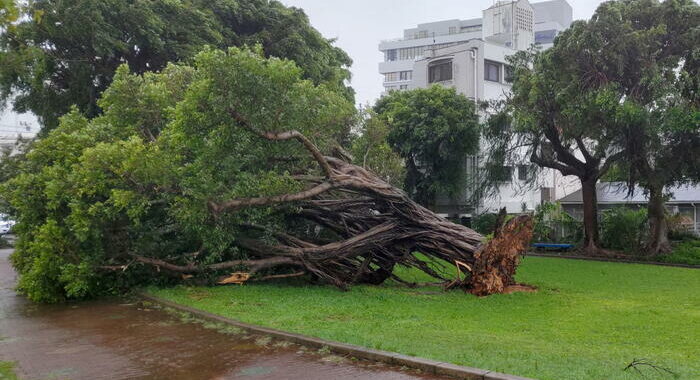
{"x": 611, "y": 89}
{"x": 64, "y": 53}
{"x": 652, "y": 80}
{"x": 433, "y": 129}
{"x": 553, "y": 123}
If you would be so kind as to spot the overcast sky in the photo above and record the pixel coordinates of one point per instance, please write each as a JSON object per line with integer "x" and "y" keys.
{"x": 359, "y": 26}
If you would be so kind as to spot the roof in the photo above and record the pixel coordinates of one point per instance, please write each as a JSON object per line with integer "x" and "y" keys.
{"x": 617, "y": 193}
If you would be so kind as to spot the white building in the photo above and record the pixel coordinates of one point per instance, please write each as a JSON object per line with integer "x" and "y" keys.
{"x": 470, "y": 55}
{"x": 14, "y": 126}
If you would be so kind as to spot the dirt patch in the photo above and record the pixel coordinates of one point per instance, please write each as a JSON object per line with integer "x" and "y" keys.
{"x": 518, "y": 288}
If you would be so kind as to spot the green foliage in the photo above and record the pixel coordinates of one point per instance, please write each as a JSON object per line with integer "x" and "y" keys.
{"x": 624, "y": 229}
{"x": 484, "y": 223}
{"x": 8, "y": 12}
{"x": 138, "y": 178}
{"x": 64, "y": 53}
{"x": 621, "y": 87}
{"x": 433, "y": 130}
{"x": 578, "y": 325}
{"x": 687, "y": 252}
{"x": 554, "y": 225}
{"x": 371, "y": 150}
{"x": 7, "y": 371}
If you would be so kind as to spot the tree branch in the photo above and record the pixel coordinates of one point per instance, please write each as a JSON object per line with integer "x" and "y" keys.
{"x": 288, "y": 135}
{"x": 264, "y": 201}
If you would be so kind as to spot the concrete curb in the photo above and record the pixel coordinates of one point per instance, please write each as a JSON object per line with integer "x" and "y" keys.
{"x": 425, "y": 365}
{"x": 607, "y": 260}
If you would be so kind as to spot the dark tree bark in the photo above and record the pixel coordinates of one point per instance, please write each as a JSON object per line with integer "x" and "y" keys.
{"x": 554, "y": 154}
{"x": 658, "y": 225}
{"x": 590, "y": 216}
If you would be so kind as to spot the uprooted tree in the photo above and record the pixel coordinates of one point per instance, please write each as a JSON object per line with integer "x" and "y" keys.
{"x": 226, "y": 172}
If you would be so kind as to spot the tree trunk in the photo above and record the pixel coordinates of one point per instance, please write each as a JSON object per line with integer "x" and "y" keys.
{"x": 591, "y": 241}
{"x": 658, "y": 225}
{"x": 498, "y": 259}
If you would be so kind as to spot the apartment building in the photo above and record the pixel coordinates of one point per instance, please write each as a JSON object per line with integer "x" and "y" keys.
{"x": 470, "y": 55}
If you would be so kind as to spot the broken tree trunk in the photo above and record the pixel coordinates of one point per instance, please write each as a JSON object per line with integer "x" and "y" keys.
{"x": 374, "y": 226}
{"x": 498, "y": 259}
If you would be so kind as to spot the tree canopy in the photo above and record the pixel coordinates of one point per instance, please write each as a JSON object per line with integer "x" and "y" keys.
{"x": 588, "y": 102}
{"x": 140, "y": 177}
{"x": 433, "y": 130}
{"x": 371, "y": 150}
{"x": 64, "y": 53}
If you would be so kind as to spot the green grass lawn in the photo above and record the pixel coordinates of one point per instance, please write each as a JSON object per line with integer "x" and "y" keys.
{"x": 7, "y": 371}
{"x": 588, "y": 320}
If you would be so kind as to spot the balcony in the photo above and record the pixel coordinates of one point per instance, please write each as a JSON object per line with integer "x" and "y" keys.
{"x": 418, "y": 36}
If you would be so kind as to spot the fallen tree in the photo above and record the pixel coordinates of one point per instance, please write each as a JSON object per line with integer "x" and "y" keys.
{"x": 379, "y": 227}
{"x": 227, "y": 172}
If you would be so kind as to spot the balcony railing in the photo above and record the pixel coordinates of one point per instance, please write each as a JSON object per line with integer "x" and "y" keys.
{"x": 430, "y": 35}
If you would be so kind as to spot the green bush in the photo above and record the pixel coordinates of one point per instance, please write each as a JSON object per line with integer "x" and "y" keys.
{"x": 554, "y": 225}
{"x": 484, "y": 223}
{"x": 624, "y": 229}
{"x": 687, "y": 252}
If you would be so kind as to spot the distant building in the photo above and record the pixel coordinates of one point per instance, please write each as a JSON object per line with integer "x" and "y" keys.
{"x": 684, "y": 201}
{"x": 470, "y": 55}
{"x": 14, "y": 126}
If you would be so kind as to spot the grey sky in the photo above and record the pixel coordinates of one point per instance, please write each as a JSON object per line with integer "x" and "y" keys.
{"x": 359, "y": 25}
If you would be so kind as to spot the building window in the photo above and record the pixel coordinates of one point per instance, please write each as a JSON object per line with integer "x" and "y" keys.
{"x": 390, "y": 88}
{"x": 410, "y": 53}
{"x": 492, "y": 71}
{"x": 509, "y": 73}
{"x": 390, "y": 55}
{"x": 391, "y": 77}
{"x": 453, "y": 30}
{"x": 471, "y": 28}
{"x": 524, "y": 172}
{"x": 406, "y": 75}
{"x": 403, "y": 87}
{"x": 440, "y": 71}
{"x": 505, "y": 175}
{"x": 545, "y": 36}
{"x": 423, "y": 34}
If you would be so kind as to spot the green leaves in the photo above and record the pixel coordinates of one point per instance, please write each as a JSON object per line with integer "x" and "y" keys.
{"x": 434, "y": 130}
{"x": 138, "y": 178}
{"x": 54, "y": 55}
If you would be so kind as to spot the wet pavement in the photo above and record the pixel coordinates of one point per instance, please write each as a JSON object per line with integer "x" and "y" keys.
{"x": 116, "y": 339}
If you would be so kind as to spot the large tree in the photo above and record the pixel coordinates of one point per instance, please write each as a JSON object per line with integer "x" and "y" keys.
{"x": 617, "y": 89}
{"x": 651, "y": 78}
{"x": 228, "y": 166}
{"x": 434, "y": 130}
{"x": 550, "y": 121}
{"x": 64, "y": 53}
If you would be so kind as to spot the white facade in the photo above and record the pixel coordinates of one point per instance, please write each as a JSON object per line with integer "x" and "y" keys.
{"x": 470, "y": 55}
{"x": 14, "y": 126}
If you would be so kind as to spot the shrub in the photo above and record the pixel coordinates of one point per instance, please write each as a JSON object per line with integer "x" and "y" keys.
{"x": 553, "y": 224}
{"x": 624, "y": 229}
{"x": 687, "y": 252}
{"x": 484, "y": 223}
